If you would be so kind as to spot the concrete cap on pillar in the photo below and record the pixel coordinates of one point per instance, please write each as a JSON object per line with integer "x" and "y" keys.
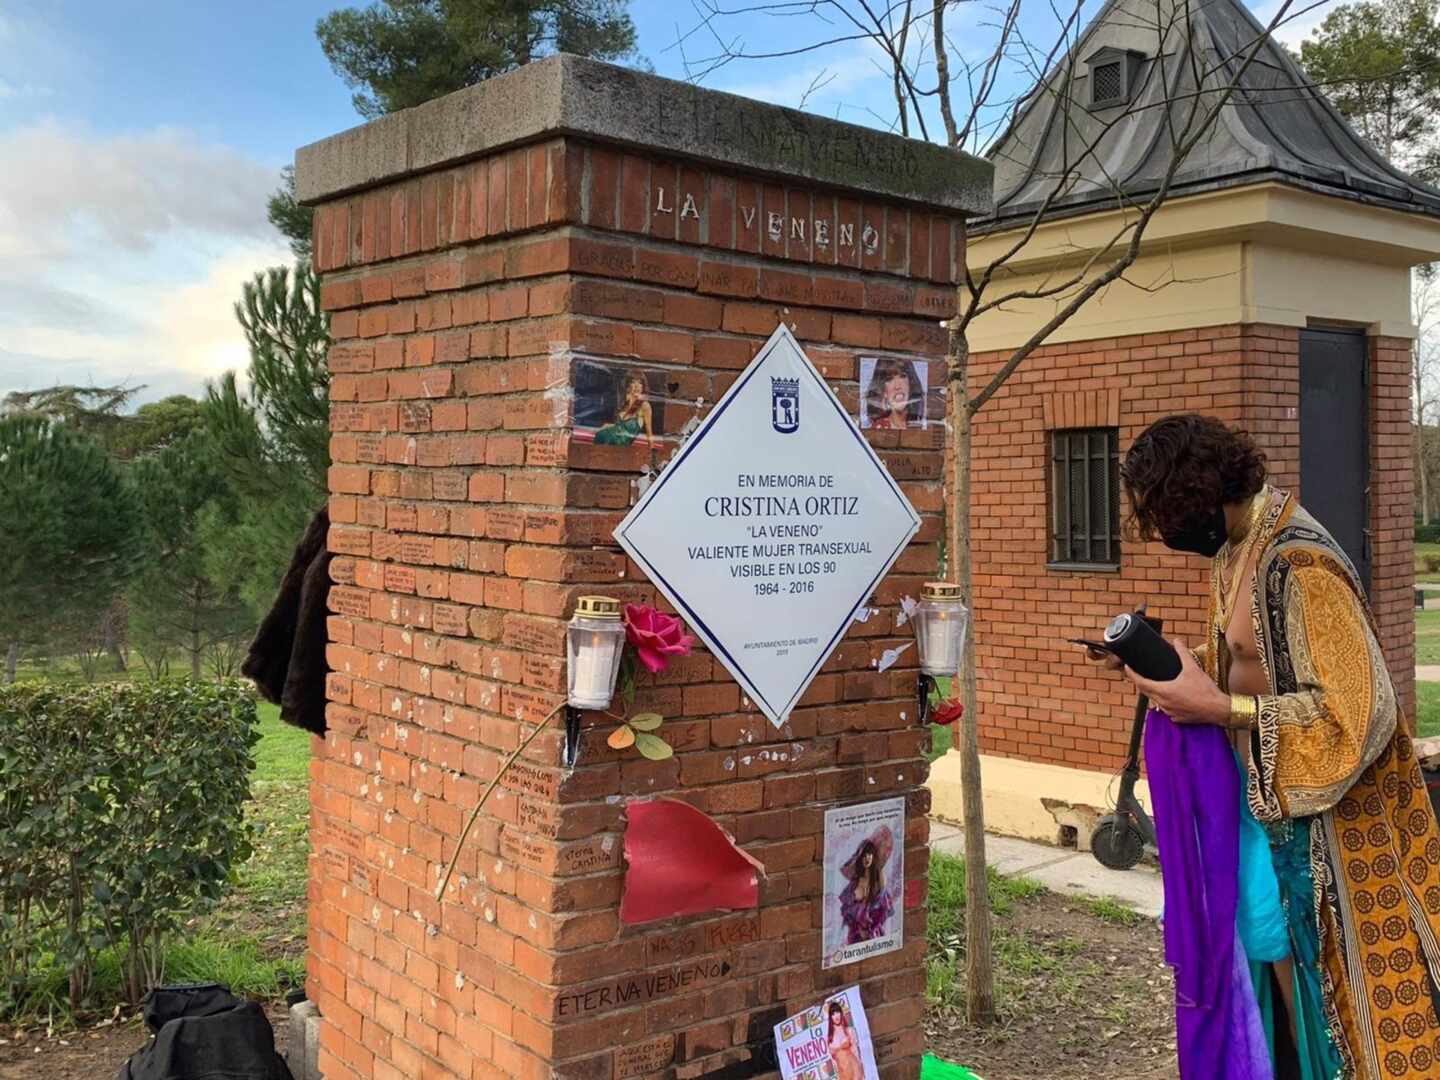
{"x": 572, "y": 95}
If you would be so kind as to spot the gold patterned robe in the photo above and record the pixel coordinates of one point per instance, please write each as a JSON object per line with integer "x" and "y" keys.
{"x": 1327, "y": 746}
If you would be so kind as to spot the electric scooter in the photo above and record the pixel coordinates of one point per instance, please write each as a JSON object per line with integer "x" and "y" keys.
{"x": 1120, "y": 839}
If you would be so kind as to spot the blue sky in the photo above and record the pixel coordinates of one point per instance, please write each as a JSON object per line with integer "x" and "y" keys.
{"x": 139, "y": 139}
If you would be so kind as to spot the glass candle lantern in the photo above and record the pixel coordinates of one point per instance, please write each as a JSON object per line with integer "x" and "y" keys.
{"x": 941, "y": 622}
{"x": 594, "y": 641}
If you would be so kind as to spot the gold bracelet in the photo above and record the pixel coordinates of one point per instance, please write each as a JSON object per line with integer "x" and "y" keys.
{"x": 1244, "y": 708}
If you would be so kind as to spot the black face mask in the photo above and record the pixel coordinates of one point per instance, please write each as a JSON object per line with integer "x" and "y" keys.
{"x": 1204, "y": 535}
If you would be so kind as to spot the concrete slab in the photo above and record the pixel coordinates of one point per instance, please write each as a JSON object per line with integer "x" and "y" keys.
{"x": 1427, "y": 672}
{"x": 1063, "y": 870}
{"x": 302, "y": 1051}
{"x": 577, "y": 96}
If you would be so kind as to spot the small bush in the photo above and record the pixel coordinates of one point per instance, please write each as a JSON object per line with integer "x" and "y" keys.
{"x": 120, "y": 817}
{"x": 1432, "y": 563}
{"x": 1427, "y": 534}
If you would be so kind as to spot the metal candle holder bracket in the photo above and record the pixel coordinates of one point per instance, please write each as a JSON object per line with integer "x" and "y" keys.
{"x": 571, "y": 752}
{"x": 925, "y": 685}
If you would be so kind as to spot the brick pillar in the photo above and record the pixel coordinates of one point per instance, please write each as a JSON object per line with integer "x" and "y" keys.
{"x": 475, "y": 253}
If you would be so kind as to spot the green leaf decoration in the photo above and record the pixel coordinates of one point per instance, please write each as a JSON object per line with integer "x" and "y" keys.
{"x": 653, "y": 747}
{"x": 646, "y": 721}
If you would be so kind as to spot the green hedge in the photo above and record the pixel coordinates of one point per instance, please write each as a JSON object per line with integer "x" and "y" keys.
{"x": 1427, "y": 534}
{"x": 120, "y": 818}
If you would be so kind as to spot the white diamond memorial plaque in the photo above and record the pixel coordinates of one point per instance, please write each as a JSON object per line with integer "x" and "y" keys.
{"x": 771, "y": 526}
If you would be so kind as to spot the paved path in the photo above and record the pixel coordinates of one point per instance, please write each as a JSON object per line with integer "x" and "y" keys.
{"x": 1427, "y": 672}
{"x": 1063, "y": 870}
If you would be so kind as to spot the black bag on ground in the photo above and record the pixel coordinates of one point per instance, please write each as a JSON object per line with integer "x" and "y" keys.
{"x": 204, "y": 1032}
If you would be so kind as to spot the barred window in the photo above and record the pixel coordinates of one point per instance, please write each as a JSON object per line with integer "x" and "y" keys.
{"x": 1107, "y": 83}
{"x": 1085, "y": 497}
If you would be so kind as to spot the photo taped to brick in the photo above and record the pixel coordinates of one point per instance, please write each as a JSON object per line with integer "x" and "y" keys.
{"x": 629, "y": 405}
{"x": 893, "y": 393}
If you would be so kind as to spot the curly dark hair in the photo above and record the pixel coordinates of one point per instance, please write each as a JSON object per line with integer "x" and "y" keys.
{"x": 1182, "y": 467}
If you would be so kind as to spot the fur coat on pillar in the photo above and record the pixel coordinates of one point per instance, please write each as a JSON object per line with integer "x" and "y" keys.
{"x": 287, "y": 658}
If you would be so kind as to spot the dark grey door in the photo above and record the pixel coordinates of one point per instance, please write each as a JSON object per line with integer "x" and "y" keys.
{"x": 1334, "y": 445}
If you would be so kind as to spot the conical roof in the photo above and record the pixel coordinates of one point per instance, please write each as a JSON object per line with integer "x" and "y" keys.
{"x": 1154, "y": 54}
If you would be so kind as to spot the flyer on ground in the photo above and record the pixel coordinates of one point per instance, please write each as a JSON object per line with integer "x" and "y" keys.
{"x": 864, "y": 881}
{"x": 830, "y": 1041}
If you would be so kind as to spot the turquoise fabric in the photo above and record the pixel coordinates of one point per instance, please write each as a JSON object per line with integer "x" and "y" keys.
{"x": 1290, "y": 846}
{"x": 1259, "y": 917}
{"x": 1276, "y": 920}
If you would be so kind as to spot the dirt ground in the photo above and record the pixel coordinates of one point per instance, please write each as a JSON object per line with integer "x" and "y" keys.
{"x": 92, "y": 1053}
{"x": 1083, "y": 998}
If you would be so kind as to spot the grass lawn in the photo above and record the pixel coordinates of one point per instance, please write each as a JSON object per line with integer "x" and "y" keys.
{"x": 1427, "y": 709}
{"x": 255, "y": 939}
{"x": 1427, "y": 637}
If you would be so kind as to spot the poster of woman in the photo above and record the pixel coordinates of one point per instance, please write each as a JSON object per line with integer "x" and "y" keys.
{"x": 830, "y": 1041}
{"x": 864, "y": 881}
{"x": 618, "y": 405}
{"x": 892, "y": 393}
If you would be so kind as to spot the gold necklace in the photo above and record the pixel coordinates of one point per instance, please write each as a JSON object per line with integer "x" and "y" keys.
{"x": 1236, "y": 553}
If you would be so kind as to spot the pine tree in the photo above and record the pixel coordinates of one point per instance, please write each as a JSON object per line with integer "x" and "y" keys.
{"x": 174, "y": 602}
{"x": 1379, "y": 63}
{"x": 400, "y": 53}
{"x": 273, "y": 439}
{"x": 294, "y": 221}
{"x": 97, "y": 411}
{"x": 67, "y": 528}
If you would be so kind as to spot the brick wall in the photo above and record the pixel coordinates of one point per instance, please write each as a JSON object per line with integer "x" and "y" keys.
{"x": 1039, "y": 698}
{"x": 467, "y": 519}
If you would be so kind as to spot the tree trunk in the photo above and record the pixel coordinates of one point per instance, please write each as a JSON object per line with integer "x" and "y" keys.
{"x": 1420, "y": 438}
{"x": 112, "y": 636}
{"x": 979, "y": 971}
{"x": 1424, "y": 478}
{"x": 12, "y": 661}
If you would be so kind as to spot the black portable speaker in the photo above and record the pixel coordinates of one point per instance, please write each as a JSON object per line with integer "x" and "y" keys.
{"x": 1131, "y": 637}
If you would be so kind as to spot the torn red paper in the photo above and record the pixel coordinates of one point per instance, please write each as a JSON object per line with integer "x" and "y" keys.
{"x": 680, "y": 862}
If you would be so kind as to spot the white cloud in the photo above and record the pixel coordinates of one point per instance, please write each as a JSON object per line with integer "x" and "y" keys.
{"x": 121, "y": 256}
{"x": 127, "y": 190}
{"x": 178, "y": 335}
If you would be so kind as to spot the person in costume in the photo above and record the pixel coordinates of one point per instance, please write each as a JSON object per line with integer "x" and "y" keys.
{"x": 843, "y": 1052}
{"x": 632, "y": 418}
{"x": 865, "y": 904}
{"x": 1292, "y": 668}
{"x": 894, "y": 400}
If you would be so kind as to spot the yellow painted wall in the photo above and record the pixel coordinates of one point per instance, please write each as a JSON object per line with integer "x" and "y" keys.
{"x": 1013, "y": 790}
{"x": 1266, "y": 253}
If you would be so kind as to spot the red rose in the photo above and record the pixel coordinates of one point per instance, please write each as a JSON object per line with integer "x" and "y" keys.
{"x": 655, "y": 636}
{"x": 947, "y": 712}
